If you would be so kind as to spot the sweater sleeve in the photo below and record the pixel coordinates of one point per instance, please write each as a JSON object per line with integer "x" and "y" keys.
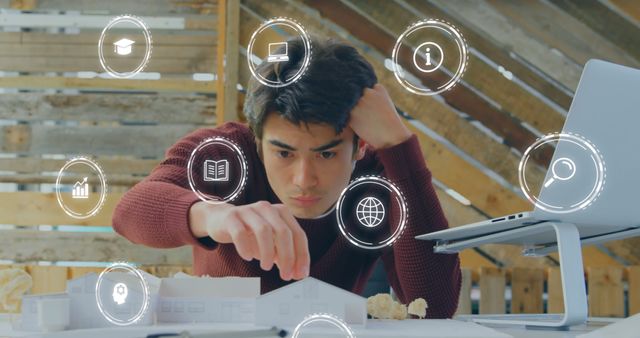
{"x": 155, "y": 212}
{"x": 413, "y": 269}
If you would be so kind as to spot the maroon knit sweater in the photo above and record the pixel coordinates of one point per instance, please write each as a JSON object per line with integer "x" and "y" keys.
{"x": 155, "y": 213}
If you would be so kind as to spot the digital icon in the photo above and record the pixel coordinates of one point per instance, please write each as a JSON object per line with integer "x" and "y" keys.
{"x": 120, "y": 293}
{"x": 563, "y": 165}
{"x": 123, "y": 46}
{"x": 216, "y": 171}
{"x": 370, "y": 212}
{"x": 80, "y": 190}
{"x": 277, "y": 55}
{"x": 428, "y": 57}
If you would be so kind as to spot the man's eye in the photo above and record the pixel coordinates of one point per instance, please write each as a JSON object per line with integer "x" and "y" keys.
{"x": 283, "y": 153}
{"x": 327, "y": 154}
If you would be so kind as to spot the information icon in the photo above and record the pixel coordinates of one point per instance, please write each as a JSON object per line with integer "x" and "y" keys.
{"x": 430, "y": 57}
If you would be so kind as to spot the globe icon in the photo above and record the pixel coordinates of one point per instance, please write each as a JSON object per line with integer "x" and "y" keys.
{"x": 370, "y": 212}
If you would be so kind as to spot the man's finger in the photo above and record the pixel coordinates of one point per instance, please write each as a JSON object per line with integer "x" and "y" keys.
{"x": 264, "y": 236}
{"x": 283, "y": 242}
{"x": 300, "y": 244}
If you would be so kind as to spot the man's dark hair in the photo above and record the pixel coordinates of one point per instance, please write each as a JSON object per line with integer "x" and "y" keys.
{"x": 325, "y": 94}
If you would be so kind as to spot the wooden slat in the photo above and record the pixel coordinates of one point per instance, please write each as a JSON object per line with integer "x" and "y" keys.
{"x": 603, "y": 20}
{"x": 559, "y": 30}
{"x": 487, "y": 20}
{"x": 629, "y": 7}
{"x": 74, "y": 272}
{"x": 111, "y": 165}
{"x": 139, "y": 7}
{"x": 176, "y": 85}
{"x": 90, "y": 39}
{"x": 527, "y": 286}
{"x": 492, "y": 287}
{"x": 498, "y": 53}
{"x": 47, "y": 64}
{"x": 555, "y": 300}
{"x": 138, "y": 141}
{"x": 163, "y": 109}
{"x": 28, "y": 246}
{"x": 605, "y": 292}
{"x": 464, "y": 302}
{"x": 227, "y": 66}
{"x": 77, "y": 51}
{"x": 42, "y": 208}
{"x": 48, "y": 279}
{"x": 634, "y": 289}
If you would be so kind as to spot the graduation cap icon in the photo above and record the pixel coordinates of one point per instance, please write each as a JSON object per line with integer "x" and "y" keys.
{"x": 123, "y": 46}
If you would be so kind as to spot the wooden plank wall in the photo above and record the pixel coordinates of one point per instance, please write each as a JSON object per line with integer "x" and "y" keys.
{"x": 49, "y": 113}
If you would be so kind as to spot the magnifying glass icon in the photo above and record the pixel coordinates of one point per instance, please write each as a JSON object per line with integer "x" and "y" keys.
{"x": 563, "y": 165}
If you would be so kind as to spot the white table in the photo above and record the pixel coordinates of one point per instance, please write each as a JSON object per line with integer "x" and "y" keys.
{"x": 400, "y": 330}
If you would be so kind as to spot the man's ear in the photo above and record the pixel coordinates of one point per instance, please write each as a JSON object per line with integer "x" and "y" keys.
{"x": 362, "y": 149}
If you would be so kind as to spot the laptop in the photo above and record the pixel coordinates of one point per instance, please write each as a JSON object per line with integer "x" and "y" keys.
{"x": 278, "y": 52}
{"x": 606, "y": 111}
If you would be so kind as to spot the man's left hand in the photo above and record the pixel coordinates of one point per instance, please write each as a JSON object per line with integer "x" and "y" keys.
{"x": 375, "y": 120}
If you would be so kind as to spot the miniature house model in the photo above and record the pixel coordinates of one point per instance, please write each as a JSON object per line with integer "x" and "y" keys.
{"x": 289, "y": 305}
{"x": 192, "y": 300}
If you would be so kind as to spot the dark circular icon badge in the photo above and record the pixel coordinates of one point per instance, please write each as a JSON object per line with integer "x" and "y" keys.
{"x": 217, "y": 170}
{"x": 371, "y": 212}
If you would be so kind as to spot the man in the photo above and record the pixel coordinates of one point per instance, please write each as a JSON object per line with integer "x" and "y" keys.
{"x": 304, "y": 144}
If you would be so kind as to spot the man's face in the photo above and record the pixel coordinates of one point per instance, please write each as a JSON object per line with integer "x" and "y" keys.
{"x": 307, "y": 166}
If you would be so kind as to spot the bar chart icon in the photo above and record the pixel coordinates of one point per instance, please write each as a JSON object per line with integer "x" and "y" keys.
{"x": 80, "y": 190}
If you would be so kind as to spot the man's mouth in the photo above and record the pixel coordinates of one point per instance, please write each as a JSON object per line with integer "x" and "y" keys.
{"x": 306, "y": 201}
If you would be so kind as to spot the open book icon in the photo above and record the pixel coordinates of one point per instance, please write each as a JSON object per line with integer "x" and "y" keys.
{"x": 216, "y": 170}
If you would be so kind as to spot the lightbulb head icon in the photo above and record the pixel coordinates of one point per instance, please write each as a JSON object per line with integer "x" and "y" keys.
{"x": 120, "y": 293}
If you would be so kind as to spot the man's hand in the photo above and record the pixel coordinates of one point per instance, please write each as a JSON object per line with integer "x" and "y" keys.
{"x": 264, "y": 231}
{"x": 375, "y": 120}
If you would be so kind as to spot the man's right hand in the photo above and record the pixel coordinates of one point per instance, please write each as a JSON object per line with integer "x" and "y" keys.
{"x": 264, "y": 231}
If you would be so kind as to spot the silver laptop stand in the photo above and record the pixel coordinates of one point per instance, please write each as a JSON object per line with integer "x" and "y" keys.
{"x": 571, "y": 270}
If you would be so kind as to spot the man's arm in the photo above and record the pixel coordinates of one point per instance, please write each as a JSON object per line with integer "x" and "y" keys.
{"x": 162, "y": 212}
{"x": 413, "y": 269}
{"x": 155, "y": 212}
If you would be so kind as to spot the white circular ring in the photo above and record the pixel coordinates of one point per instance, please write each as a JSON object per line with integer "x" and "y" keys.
{"x": 145, "y": 294}
{"x": 580, "y": 141}
{"x": 447, "y": 28}
{"x": 243, "y": 167}
{"x": 389, "y": 186}
{"x": 103, "y": 187}
{"x": 305, "y": 62}
{"x": 324, "y": 318}
{"x": 147, "y": 36}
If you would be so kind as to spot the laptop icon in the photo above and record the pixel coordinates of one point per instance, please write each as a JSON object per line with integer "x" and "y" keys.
{"x": 278, "y": 52}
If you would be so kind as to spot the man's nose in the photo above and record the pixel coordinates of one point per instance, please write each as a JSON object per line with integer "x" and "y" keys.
{"x": 305, "y": 175}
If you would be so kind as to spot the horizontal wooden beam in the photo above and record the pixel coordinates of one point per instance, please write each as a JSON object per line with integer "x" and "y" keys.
{"x": 35, "y": 208}
{"x": 161, "y": 109}
{"x": 91, "y": 39}
{"x": 30, "y": 246}
{"x": 171, "y": 85}
{"x": 40, "y": 64}
{"x": 112, "y": 165}
{"x": 84, "y": 21}
{"x": 136, "y": 141}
